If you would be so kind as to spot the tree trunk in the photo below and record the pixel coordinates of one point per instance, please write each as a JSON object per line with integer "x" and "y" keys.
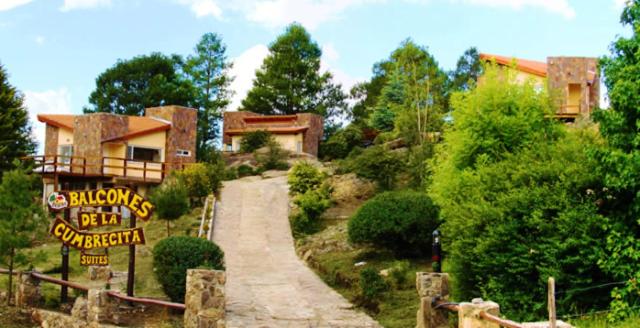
{"x": 168, "y": 231}
{"x": 10, "y": 289}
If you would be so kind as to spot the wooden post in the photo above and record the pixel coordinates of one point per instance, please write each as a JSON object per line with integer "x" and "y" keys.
{"x": 132, "y": 260}
{"x": 64, "y": 251}
{"x": 551, "y": 302}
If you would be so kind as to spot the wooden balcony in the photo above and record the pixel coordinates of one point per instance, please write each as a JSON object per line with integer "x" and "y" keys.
{"x": 110, "y": 167}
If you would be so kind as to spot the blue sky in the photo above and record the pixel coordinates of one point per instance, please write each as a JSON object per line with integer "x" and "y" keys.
{"x": 54, "y": 49}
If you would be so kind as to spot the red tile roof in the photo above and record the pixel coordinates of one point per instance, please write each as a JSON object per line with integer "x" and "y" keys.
{"x": 269, "y": 118}
{"x": 137, "y": 125}
{"x": 524, "y": 65}
{"x": 274, "y": 130}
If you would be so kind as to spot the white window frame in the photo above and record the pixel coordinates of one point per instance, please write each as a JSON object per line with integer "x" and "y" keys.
{"x": 65, "y": 160}
{"x": 129, "y": 152}
{"x": 183, "y": 153}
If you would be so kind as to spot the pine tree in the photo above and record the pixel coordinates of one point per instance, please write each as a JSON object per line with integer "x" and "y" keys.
{"x": 15, "y": 131}
{"x": 290, "y": 81}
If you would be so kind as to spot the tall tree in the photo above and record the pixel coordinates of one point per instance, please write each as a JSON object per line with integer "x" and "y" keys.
{"x": 207, "y": 69}
{"x": 15, "y": 131}
{"x": 290, "y": 81}
{"x": 620, "y": 161}
{"x": 365, "y": 94}
{"x": 22, "y": 220}
{"x": 132, "y": 85}
{"x": 468, "y": 69}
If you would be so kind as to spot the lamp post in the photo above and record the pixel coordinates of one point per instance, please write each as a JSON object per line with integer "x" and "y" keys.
{"x": 436, "y": 252}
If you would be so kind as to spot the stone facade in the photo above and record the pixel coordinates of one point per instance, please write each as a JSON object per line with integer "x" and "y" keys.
{"x": 89, "y": 131}
{"x": 468, "y": 315}
{"x": 51, "y": 319}
{"x": 582, "y": 71}
{"x": 51, "y": 140}
{"x": 182, "y": 135}
{"x": 28, "y": 293}
{"x": 205, "y": 299}
{"x": 311, "y": 136}
{"x": 431, "y": 287}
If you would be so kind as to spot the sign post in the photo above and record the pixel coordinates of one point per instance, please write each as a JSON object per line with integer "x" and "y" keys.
{"x": 83, "y": 240}
{"x": 64, "y": 251}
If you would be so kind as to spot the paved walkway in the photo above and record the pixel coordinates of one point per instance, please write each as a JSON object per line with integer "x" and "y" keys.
{"x": 267, "y": 284}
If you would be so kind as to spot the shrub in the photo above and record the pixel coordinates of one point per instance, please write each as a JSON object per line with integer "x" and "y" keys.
{"x": 377, "y": 164}
{"x": 401, "y": 221}
{"x": 174, "y": 255}
{"x": 171, "y": 201}
{"x": 399, "y": 272}
{"x": 230, "y": 173}
{"x": 341, "y": 143}
{"x": 304, "y": 177}
{"x": 372, "y": 285}
{"x": 274, "y": 158}
{"x": 245, "y": 170}
{"x": 311, "y": 204}
{"x": 196, "y": 179}
{"x": 254, "y": 140}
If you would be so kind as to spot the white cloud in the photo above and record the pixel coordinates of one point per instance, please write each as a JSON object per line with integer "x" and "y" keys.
{"x": 83, "y": 4}
{"x": 329, "y": 52}
{"x": 561, "y": 7}
{"x": 10, "y": 4}
{"x": 203, "y": 8}
{"x": 619, "y": 4}
{"x": 39, "y": 40}
{"x": 244, "y": 70}
{"x": 46, "y": 102}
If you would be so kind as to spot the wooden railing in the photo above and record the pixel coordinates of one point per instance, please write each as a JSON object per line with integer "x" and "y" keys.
{"x": 103, "y": 166}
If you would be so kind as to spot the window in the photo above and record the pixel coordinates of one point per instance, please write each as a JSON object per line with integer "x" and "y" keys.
{"x": 65, "y": 151}
{"x": 143, "y": 154}
{"x": 183, "y": 153}
{"x": 299, "y": 146}
{"x": 229, "y": 147}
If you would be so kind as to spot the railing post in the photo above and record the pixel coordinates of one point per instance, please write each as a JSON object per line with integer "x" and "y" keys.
{"x": 162, "y": 168}
{"x": 144, "y": 172}
{"x": 431, "y": 287}
{"x": 124, "y": 173}
{"x": 469, "y": 314}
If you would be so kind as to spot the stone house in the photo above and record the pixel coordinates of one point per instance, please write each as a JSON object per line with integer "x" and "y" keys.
{"x": 103, "y": 150}
{"x": 574, "y": 82}
{"x": 299, "y": 133}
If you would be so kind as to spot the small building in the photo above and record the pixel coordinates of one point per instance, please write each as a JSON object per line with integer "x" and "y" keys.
{"x": 299, "y": 133}
{"x": 102, "y": 150}
{"x": 574, "y": 82}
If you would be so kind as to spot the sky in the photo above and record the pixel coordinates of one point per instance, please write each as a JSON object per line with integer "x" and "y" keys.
{"x": 53, "y": 50}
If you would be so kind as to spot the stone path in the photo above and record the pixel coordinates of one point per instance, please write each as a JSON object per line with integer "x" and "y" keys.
{"x": 267, "y": 284}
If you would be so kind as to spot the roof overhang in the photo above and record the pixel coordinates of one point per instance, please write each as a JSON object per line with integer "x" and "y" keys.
{"x": 273, "y": 130}
{"x": 524, "y": 65}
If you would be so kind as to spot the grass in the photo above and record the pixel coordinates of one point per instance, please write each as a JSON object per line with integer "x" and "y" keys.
{"x": 601, "y": 322}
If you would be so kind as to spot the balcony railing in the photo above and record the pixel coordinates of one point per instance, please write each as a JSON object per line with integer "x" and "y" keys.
{"x": 103, "y": 166}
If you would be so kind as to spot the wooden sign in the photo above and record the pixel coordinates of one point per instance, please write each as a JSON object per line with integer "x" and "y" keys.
{"x": 139, "y": 206}
{"x": 82, "y": 240}
{"x": 88, "y": 220}
{"x": 94, "y": 259}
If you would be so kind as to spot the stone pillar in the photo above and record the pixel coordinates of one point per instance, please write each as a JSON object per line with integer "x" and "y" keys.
{"x": 432, "y": 286}
{"x": 28, "y": 293}
{"x": 205, "y": 299}
{"x": 469, "y": 314}
{"x": 100, "y": 307}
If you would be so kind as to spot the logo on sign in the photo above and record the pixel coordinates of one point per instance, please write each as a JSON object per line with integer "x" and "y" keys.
{"x": 57, "y": 201}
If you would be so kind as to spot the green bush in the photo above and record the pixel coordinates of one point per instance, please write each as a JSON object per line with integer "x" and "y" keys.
{"x": 273, "y": 159}
{"x": 304, "y": 177}
{"x": 174, "y": 255}
{"x": 171, "y": 201}
{"x": 401, "y": 221}
{"x": 230, "y": 173}
{"x": 196, "y": 179}
{"x": 399, "y": 272}
{"x": 377, "y": 164}
{"x": 245, "y": 170}
{"x": 372, "y": 285}
{"x": 254, "y": 140}
{"x": 311, "y": 204}
{"x": 341, "y": 143}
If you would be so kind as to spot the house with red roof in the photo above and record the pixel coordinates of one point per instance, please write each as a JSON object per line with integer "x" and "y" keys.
{"x": 102, "y": 149}
{"x": 298, "y": 133}
{"x": 574, "y": 82}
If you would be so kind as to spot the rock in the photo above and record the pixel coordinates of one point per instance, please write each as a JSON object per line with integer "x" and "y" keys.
{"x": 99, "y": 272}
{"x": 307, "y": 255}
{"x": 79, "y": 310}
{"x": 273, "y": 174}
{"x": 359, "y": 264}
{"x": 348, "y": 187}
{"x": 384, "y": 273}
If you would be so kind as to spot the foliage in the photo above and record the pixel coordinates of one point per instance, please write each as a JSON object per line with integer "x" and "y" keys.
{"x": 245, "y": 170}
{"x": 303, "y": 177}
{"x": 208, "y": 69}
{"x": 312, "y": 203}
{"x": 15, "y": 131}
{"x": 619, "y": 162}
{"x": 468, "y": 69}
{"x": 518, "y": 200}
{"x": 171, "y": 200}
{"x": 130, "y": 86}
{"x": 196, "y": 179}
{"x": 174, "y": 255}
{"x": 273, "y": 158}
{"x": 377, "y": 164}
{"x": 22, "y": 220}
{"x": 372, "y": 285}
{"x": 342, "y": 142}
{"x": 290, "y": 81}
{"x": 401, "y": 221}
{"x": 365, "y": 94}
{"x": 399, "y": 272}
{"x": 254, "y": 140}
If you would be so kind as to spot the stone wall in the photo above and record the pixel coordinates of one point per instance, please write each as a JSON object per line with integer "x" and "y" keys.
{"x": 233, "y": 120}
{"x": 28, "y": 293}
{"x": 51, "y": 140}
{"x": 182, "y": 134}
{"x": 87, "y": 136}
{"x": 205, "y": 299}
{"x": 562, "y": 71}
{"x": 313, "y": 135}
